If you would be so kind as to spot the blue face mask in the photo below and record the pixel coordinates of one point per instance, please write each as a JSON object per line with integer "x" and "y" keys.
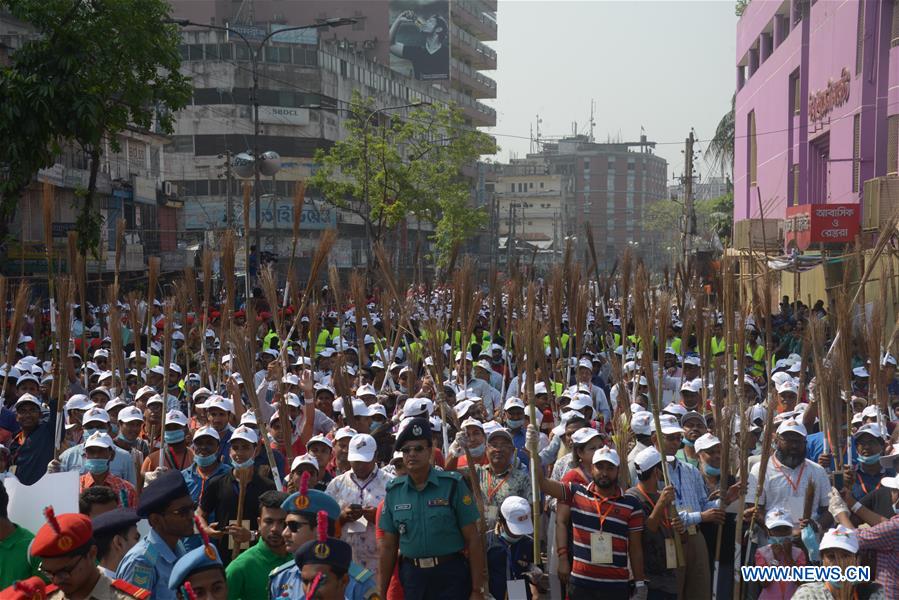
{"x": 244, "y": 465}
{"x": 113, "y": 429}
{"x": 688, "y": 443}
{"x": 90, "y": 432}
{"x": 710, "y": 470}
{"x": 778, "y": 540}
{"x": 869, "y": 460}
{"x": 509, "y": 537}
{"x": 122, "y": 437}
{"x": 205, "y": 461}
{"x": 514, "y": 423}
{"x": 173, "y": 437}
{"x": 96, "y": 466}
{"x": 478, "y": 451}
{"x": 374, "y": 426}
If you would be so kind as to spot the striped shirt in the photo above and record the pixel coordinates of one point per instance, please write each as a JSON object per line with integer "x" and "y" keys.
{"x": 591, "y": 513}
{"x": 883, "y": 539}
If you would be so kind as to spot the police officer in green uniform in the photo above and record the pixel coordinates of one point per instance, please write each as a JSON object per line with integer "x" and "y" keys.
{"x": 430, "y": 517}
{"x": 302, "y": 510}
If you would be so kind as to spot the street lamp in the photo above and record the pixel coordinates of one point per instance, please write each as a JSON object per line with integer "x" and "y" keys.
{"x": 255, "y": 54}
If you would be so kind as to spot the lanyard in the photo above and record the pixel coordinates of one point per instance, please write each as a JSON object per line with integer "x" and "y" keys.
{"x": 795, "y": 486}
{"x": 493, "y": 489}
{"x": 365, "y": 485}
{"x": 861, "y": 482}
{"x": 598, "y": 504}
{"x": 677, "y": 492}
{"x": 170, "y": 457}
{"x": 652, "y": 503}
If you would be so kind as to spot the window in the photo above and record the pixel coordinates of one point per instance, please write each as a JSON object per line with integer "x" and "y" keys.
{"x": 797, "y": 92}
{"x": 343, "y": 70}
{"x": 541, "y": 185}
{"x": 856, "y": 151}
{"x": 531, "y": 186}
{"x": 860, "y": 39}
{"x": 893, "y": 145}
{"x": 181, "y": 143}
{"x": 277, "y": 54}
{"x": 753, "y": 151}
{"x": 195, "y": 52}
{"x": 895, "y": 37}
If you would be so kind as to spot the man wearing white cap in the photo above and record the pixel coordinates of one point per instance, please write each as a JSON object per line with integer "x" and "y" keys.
{"x": 789, "y": 473}
{"x": 602, "y": 545}
{"x": 501, "y": 477}
{"x": 510, "y": 549}
{"x": 584, "y": 384}
{"x": 99, "y": 452}
{"x": 177, "y": 454}
{"x": 96, "y": 420}
{"x": 839, "y": 548}
{"x": 206, "y": 462}
{"x": 32, "y": 448}
{"x": 867, "y": 473}
{"x": 359, "y": 491}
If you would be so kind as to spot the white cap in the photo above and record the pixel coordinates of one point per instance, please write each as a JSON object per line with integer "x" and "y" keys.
{"x": 888, "y": 359}
{"x": 99, "y": 440}
{"x": 245, "y": 433}
{"x": 492, "y": 428}
{"x": 871, "y": 412}
{"x": 174, "y": 367}
{"x": 646, "y": 459}
{"x": 778, "y": 378}
{"x": 778, "y": 517}
{"x": 678, "y": 410}
{"x": 343, "y": 432}
{"x": 144, "y": 390}
{"x": 292, "y": 400}
{"x": 207, "y": 431}
{"x": 513, "y": 402}
{"x": 28, "y": 377}
{"x": 693, "y": 360}
{"x": 694, "y": 386}
{"x": 860, "y": 371}
{"x": 583, "y": 435}
{"x": 517, "y": 513}
{"x": 467, "y": 356}
{"x": 201, "y": 392}
{"x": 362, "y": 448}
{"x": 290, "y": 379}
{"x": 114, "y": 404}
{"x": 366, "y": 390}
{"x": 375, "y": 409}
{"x": 469, "y": 422}
{"x": 871, "y": 429}
{"x": 416, "y": 406}
{"x": 95, "y": 414}
{"x": 320, "y": 438}
{"x": 484, "y": 364}
{"x": 304, "y": 459}
{"x": 130, "y": 414}
{"x": 840, "y": 537}
{"x": 792, "y": 425}
{"x": 890, "y": 482}
{"x": 219, "y": 402}
{"x": 580, "y": 402}
{"x": 361, "y": 409}
{"x": 540, "y": 388}
{"x": 463, "y": 407}
{"x": 585, "y": 363}
{"x": 788, "y": 386}
{"x": 78, "y": 402}
{"x": 155, "y": 399}
{"x": 641, "y": 423}
{"x": 669, "y": 424}
{"x": 177, "y": 417}
{"x": 705, "y": 441}
{"x": 606, "y": 454}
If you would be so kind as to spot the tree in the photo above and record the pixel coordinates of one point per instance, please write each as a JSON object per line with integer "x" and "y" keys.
{"x": 721, "y": 146}
{"x": 95, "y": 68}
{"x": 386, "y": 171}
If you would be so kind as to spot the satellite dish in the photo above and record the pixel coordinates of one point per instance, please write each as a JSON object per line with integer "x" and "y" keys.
{"x": 243, "y": 165}
{"x": 270, "y": 163}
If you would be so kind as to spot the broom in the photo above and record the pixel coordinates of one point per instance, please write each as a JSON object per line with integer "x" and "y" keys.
{"x": 169, "y": 312}
{"x": 65, "y": 291}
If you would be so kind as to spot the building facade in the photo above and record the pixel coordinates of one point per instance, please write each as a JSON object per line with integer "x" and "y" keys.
{"x": 817, "y": 103}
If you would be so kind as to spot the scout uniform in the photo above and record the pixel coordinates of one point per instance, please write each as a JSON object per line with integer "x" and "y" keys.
{"x": 285, "y": 582}
{"x": 150, "y": 562}
{"x": 66, "y": 534}
{"x": 198, "y": 559}
{"x": 429, "y": 524}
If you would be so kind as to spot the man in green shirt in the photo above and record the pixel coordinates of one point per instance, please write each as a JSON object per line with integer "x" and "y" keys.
{"x": 15, "y": 564}
{"x": 248, "y": 573}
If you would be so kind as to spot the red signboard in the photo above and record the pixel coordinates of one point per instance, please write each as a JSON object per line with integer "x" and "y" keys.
{"x": 809, "y": 224}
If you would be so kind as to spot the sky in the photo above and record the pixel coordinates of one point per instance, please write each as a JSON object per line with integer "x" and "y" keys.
{"x": 665, "y": 65}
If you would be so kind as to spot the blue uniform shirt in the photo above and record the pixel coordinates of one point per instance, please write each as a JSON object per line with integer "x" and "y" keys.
{"x": 285, "y": 582}
{"x": 149, "y": 565}
{"x": 195, "y": 481}
{"x": 31, "y": 453}
{"x": 122, "y": 463}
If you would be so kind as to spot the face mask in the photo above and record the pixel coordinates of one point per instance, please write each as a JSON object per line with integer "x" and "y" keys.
{"x": 90, "y": 432}
{"x": 509, "y": 537}
{"x": 710, "y": 470}
{"x": 244, "y": 465}
{"x": 114, "y": 429}
{"x": 122, "y": 437}
{"x": 869, "y": 460}
{"x": 688, "y": 443}
{"x": 778, "y": 540}
{"x": 478, "y": 451}
{"x": 205, "y": 461}
{"x": 96, "y": 465}
{"x": 514, "y": 423}
{"x": 374, "y": 426}
{"x": 173, "y": 437}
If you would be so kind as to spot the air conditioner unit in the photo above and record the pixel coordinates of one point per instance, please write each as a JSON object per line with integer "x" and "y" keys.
{"x": 170, "y": 189}
{"x": 880, "y": 200}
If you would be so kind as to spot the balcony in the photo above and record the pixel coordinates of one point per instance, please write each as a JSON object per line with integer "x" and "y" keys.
{"x": 468, "y": 48}
{"x": 480, "y": 86}
{"x": 471, "y": 16}
{"x": 480, "y": 114}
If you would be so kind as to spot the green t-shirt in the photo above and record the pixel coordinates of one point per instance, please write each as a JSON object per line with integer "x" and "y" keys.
{"x": 248, "y": 573}
{"x": 15, "y": 564}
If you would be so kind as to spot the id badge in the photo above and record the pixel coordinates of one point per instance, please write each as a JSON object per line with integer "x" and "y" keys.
{"x": 516, "y": 589}
{"x": 492, "y": 513}
{"x": 691, "y": 530}
{"x": 670, "y": 554}
{"x": 600, "y": 548}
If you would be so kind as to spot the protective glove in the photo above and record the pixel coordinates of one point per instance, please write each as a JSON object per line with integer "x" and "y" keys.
{"x": 457, "y": 448}
{"x": 836, "y": 504}
{"x": 151, "y": 476}
{"x": 810, "y": 540}
{"x": 641, "y": 591}
{"x": 532, "y": 437}
{"x": 54, "y": 466}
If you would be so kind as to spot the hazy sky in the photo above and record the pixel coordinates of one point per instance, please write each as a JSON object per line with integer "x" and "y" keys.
{"x": 665, "y": 65}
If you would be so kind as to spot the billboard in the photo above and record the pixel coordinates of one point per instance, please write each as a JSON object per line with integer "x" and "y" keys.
{"x": 809, "y": 224}
{"x": 420, "y": 38}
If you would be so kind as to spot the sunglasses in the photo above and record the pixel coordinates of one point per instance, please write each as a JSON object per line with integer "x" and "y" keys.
{"x": 412, "y": 449}
{"x": 294, "y": 526}
{"x": 62, "y": 573}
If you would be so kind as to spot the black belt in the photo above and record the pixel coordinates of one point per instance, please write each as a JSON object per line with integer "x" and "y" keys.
{"x": 432, "y": 561}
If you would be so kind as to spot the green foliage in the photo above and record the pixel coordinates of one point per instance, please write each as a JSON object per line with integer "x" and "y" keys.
{"x": 713, "y": 216}
{"x": 388, "y": 172}
{"x": 94, "y": 68}
{"x": 740, "y": 7}
{"x": 718, "y": 215}
{"x": 721, "y": 146}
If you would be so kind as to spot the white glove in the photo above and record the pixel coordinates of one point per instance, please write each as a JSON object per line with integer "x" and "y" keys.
{"x": 152, "y": 475}
{"x": 641, "y": 591}
{"x": 532, "y": 437}
{"x": 457, "y": 448}
{"x": 836, "y": 504}
{"x": 54, "y": 466}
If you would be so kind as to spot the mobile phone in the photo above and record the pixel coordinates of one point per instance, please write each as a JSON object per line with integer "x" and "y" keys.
{"x": 355, "y": 506}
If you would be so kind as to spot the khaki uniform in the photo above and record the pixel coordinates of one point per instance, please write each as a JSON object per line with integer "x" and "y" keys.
{"x": 109, "y": 589}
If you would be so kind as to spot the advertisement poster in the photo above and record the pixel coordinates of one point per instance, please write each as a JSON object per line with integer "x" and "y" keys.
{"x": 419, "y": 38}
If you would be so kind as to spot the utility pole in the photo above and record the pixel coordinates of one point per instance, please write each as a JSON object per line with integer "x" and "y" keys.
{"x": 229, "y": 202}
{"x": 689, "y": 217}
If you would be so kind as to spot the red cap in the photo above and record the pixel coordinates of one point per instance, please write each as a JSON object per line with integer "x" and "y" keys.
{"x": 264, "y": 316}
{"x": 32, "y": 588}
{"x": 240, "y": 313}
{"x": 61, "y": 535}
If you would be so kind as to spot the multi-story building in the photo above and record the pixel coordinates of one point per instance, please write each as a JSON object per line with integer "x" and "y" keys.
{"x": 306, "y": 81}
{"x": 703, "y": 189}
{"x": 817, "y": 103}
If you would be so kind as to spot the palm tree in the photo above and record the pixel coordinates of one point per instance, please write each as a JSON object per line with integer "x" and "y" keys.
{"x": 721, "y": 146}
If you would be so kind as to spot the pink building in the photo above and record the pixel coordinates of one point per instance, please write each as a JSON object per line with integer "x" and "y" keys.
{"x": 817, "y": 104}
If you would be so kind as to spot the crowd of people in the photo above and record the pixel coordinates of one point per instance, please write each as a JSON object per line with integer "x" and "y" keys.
{"x": 418, "y": 462}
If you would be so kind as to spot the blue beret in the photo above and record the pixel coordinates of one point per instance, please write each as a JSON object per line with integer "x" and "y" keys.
{"x": 198, "y": 559}
{"x": 114, "y": 521}
{"x": 332, "y": 552}
{"x": 416, "y": 429}
{"x": 314, "y": 501}
{"x": 161, "y": 491}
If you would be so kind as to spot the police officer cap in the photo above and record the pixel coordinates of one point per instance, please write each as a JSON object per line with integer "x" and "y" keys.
{"x": 160, "y": 492}
{"x": 416, "y": 429}
{"x": 198, "y": 559}
{"x": 114, "y": 521}
{"x": 332, "y": 552}
{"x": 313, "y": 502}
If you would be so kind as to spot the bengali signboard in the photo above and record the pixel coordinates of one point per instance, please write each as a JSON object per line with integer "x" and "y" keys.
{"x": 419, "y": 38}
{"x": 810, "y": 224}
{"x": 210, "y": 214}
